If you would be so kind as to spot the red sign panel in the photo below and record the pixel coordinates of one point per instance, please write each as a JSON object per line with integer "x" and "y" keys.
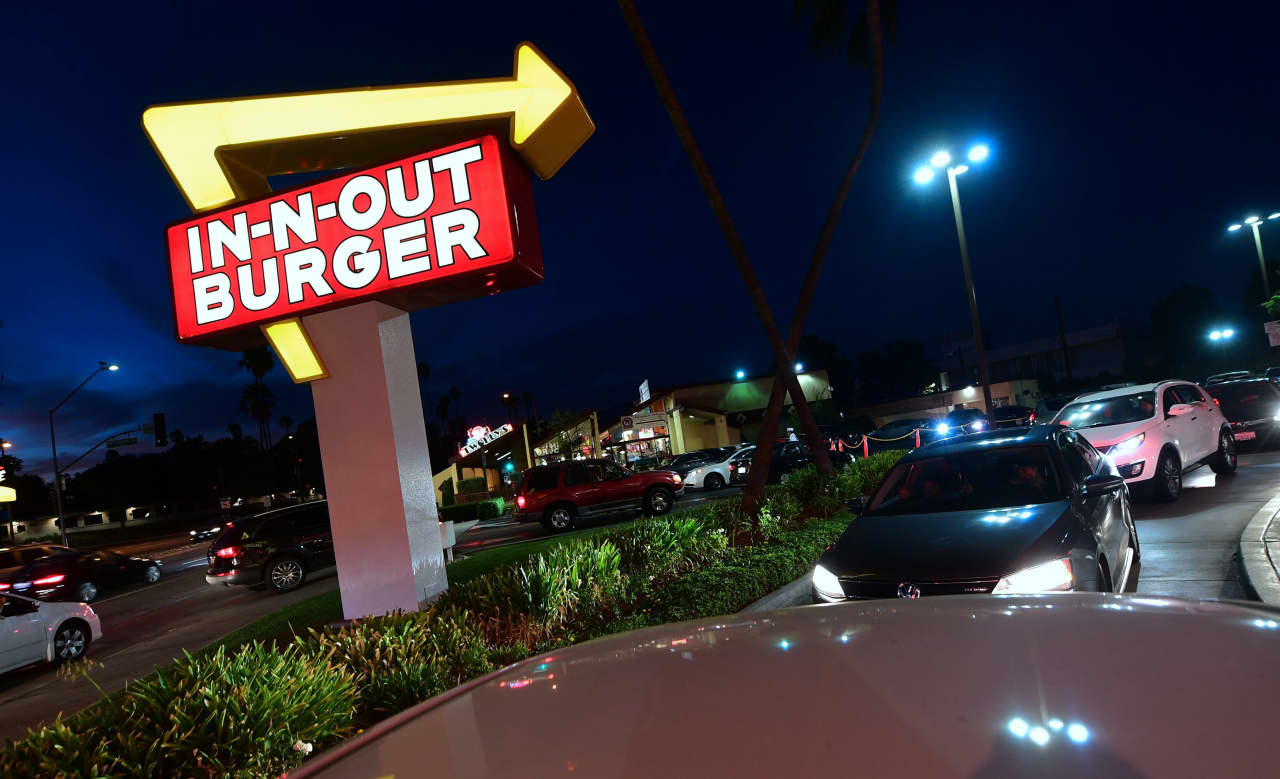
{"x": 436, "y": 227}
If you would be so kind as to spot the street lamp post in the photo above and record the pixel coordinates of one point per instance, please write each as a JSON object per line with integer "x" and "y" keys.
{"x": 53, "y": 443}
{"x": 924, "y": 175}
{"x": 1255, "y": 222}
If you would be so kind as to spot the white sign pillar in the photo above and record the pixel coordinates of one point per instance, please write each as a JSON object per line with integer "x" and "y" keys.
{"x": 377, "y": 471}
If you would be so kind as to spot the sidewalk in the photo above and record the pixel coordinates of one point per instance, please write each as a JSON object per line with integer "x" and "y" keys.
{"x": 1260, "y": 552}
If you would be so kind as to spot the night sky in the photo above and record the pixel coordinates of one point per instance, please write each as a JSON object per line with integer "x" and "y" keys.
{"x": 1125, "y": 139}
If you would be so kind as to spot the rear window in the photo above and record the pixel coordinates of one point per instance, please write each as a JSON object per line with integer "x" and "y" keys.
{"x": 1246, "y": 402}
{"x": 970, "y": 480}
{"x": 541, "y": 479}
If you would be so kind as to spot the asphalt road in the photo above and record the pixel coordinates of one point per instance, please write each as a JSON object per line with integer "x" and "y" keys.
{"x": 1188, "y": 550}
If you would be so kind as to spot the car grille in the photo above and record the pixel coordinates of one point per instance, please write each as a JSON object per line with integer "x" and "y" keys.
{"x": 866, "y": 589}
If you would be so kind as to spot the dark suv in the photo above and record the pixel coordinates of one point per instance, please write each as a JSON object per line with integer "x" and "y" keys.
{"x": 278, "y": 549}
{"x": 557, "y": 495}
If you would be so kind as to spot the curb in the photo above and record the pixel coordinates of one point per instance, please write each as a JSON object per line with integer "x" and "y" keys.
{"x": 794, "y": 594}
{"x": 1259, "y": 561}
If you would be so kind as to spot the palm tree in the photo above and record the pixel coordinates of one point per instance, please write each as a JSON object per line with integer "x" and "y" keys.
{"x": 286, "y": 422}
{"x": 259, "y": 361}
{"x": 234, "y": 431}
{"x": 783, "y": 352}
{"x": 442, "y": 409}
{"x": 259, "y": 402}
{"x": 424, "y": 373}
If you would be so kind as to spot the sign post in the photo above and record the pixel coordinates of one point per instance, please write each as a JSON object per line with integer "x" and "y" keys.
{"x": 327, "y": 272}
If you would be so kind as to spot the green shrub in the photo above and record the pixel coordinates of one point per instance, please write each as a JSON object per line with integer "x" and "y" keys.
{"x": 402, "y": 659}
{"x": 665, "y": 546}
{"x": 478, "y": 509}
{"x": 474, "y": 484}
{"x": 446, "y": 493}
{"x": 59, "y": 749}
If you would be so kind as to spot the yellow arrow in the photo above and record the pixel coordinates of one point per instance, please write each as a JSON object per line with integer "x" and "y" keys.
{"x": 199, "y": 141}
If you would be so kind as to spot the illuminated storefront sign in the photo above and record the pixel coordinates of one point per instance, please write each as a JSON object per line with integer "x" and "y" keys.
{"x": 482, "y": 436}
{"x": 438, "y": 226}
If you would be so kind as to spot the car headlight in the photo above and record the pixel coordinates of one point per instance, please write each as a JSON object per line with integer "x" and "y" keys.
{"x": 978, "y": 424}
{"x": 675, "y": 477}
{"x": 1128, "y": 445}
{"x": 944, "y": 428}
{"x": 826, "y": 583}
{"x": 1046, "y": 577}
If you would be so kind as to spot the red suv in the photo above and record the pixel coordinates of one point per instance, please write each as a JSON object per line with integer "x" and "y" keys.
{"x": 557, "y": 495}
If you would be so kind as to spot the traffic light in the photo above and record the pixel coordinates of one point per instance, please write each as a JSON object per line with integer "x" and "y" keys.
{"x": 162, "y": 433}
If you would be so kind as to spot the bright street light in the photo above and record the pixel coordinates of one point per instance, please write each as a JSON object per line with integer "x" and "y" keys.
{"x": 53, "y": 443}
{"x": 923, "y": 175}
{"x": 799, "y": 367}
{"x": 1228, "y": 333}
{"x": 740, "y": 374}
{"x": 1255, "y": 222}
{"x": 1215, "y": 335}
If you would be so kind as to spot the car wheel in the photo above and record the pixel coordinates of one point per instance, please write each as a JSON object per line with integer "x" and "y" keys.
{"x": 87, "y": 592}
{"x": 1224, "y": 461}
{"x": 714, "y": 481}
{"x": 659, "y": 500}
{"x": 558, "y": 518}
{"x": 1167, "y": 483}
{"x": 152, "y": 574}
{"x": 286, "y": 574}
{"x": 71, "y": 641}
{"x": 1102, "y": 584}
{"x": 1135, "y": 567}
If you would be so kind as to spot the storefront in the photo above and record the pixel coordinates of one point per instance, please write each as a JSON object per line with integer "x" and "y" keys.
{"x": 639, "y": 440}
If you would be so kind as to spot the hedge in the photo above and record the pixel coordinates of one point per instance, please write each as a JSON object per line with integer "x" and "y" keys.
{"x": 480, "y": 509}
{"x": 262, "y": 709}
{"x": 474, "y": 484}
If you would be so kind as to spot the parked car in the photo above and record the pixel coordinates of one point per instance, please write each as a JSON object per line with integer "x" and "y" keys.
{"x": 1050, "y": 406}
{"x": 1155, "y": 433}
{"x": 973, "y": 686}
{"x": 1039, "y": 510}
{"x": 13, "y": 558}
{"x": 791, "y": 456}
{"x": 205, "y": 533}
{"x": 686, "y": 462}
{"x": 1252, "y": 406}
{"x": 1011, "y": 416}
{"x": 279, "y": 549}
{"x": 67, "y": 574}
{"x": 960, "y": 421}
{"x": 900, "y": 433}
{"x": 33, "y": 631}
{"x": 1273, "y": 373}
{"x": 559, "y": 495}
{"x": 716, "y": 473}
{"x": 1218, "y": 378}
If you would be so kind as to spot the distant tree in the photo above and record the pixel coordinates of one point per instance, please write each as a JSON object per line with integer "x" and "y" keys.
{"x": 234, "y": 431}
{"x": 177, "y": 436}
{"x": 286, "y": 422}
{"x": 259, "y": 403}
{"x": 424, "y": 373}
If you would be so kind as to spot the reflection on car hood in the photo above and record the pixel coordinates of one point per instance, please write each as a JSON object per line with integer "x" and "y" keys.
{"x": 1105, "y": 436}
{"x": 953, "y": 545}
{"x": 951, "y": 686}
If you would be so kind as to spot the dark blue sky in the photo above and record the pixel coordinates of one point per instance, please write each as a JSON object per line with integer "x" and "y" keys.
{"x": 1125, "y": 139}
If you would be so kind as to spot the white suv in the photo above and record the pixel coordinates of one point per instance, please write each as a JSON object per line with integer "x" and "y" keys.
{"x": 714, "y": 475}
{"x": 1154, "y": 433}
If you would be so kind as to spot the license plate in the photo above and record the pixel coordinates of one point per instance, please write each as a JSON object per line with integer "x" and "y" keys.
{"x": 1246, "y": 435}
{"x": 22, "y": 585}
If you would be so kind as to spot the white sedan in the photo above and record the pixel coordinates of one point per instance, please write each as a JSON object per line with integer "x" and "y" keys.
{"x": 32, "y": 631}
{"x": 714, "y": 475}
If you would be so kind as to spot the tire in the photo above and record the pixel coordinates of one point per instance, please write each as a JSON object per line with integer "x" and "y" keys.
{"x": 71, "y": 641}
{"x": 285, "y": 574}
{"x": 1103, "y": 582}
{"x": 87, "y": 592}
{"x": 713, "y": 481}
{"x": 151, "y": 575}
{"x": 1225, "y": 461}
{"x": 1166, "y": 485}
{"x": 658, "y": 501}
{"x": 1135, "y": 567}
{"x": 559, "y": 518}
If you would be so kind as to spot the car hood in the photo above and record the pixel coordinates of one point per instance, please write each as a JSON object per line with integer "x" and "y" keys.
{"x": 962, "y": 686}
{"x": 1108, "y": 435}
{"x": 950, "y": 546}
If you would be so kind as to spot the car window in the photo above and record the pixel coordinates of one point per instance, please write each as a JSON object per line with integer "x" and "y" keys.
{"x": 278, "y": 525}
{"x": 1110, "y": 411}
{"x": 744, "y": 454}
{"x": 613, "y": 472}
{"x": 1188, "y": 393}
{"x": 16, "y": 607}
{"x": 541, "y": 479}
{"x": 1248, "y": 401}
{"x": 583, "y": 473}
{"x": 1077, "y": 462}
{"x": 969, "y": 480}
{"x": 1170, "y": 398}
{"x": 311, "y": 519}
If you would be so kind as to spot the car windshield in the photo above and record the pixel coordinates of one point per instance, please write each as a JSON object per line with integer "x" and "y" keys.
{"x": 961, "y": 416}
{"x": 688, "y": 459}
{"x": 1109, "y": 411}
{"x": 1249, "y": 401}
{"x": 969, "y": 480}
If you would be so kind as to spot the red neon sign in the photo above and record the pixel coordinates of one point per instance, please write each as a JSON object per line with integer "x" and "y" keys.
{"x": 436, "y": 227}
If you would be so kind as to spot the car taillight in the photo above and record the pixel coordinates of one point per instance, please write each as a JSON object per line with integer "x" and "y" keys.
{"x": 520, "y": 501}
{"x": 1031, "y": 418}
{"x": 54, "y": 579}
{"x": 4, "y": 586}
{"x": 731, "y": 467}
{"x": 228, "y": 551}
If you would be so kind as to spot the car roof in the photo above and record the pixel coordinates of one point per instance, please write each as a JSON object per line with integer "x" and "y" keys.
{"x": 1028, "y": 694}
{"x": 1131, "y": 390}
{"x": 1238, "y": 382}
{"x": 1018, "y": 436}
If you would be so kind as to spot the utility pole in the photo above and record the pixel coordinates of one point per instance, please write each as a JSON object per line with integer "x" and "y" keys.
{"x": 983, "y": 374}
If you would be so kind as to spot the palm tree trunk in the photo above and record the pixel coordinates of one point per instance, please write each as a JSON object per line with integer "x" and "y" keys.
{"x": 737, "y": 248}
{"x": 773, "y": 412}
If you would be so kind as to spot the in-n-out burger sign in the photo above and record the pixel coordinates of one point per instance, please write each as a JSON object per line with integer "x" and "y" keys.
{"x": 481, "y": 436}
{"x": 431, "y": 228}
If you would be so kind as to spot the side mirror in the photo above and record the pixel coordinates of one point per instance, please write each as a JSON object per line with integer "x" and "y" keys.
{"x": 1178, "y": 409}
{"x": 1103, "y": 482}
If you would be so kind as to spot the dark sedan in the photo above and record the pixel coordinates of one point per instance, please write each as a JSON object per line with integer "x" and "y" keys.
{"x": 1253, "y": 408}
{"x": 82, "y": 576}
{"x": 791, "y": 456}
{"x": 960, "y": 421}
{"x": 1006, "y": 511}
